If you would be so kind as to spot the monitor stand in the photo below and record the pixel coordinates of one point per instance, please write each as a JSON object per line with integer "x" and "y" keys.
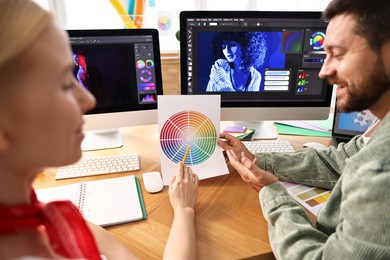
{"x": 263, "y": 131}
{"x": 101, "y": 139}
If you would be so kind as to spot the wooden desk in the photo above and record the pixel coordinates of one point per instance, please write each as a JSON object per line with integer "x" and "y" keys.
{"x": 229, "y": 222}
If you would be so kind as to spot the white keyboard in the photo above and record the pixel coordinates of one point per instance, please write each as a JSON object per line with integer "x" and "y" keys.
{"x": 279, "y": 146}
{"x": 100, "y": 165}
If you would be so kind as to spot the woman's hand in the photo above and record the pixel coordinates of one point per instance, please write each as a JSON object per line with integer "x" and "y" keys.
{"x": 183, "y": 191}
{"x": 250, "y": 173}
{"x": 183, "y": 188}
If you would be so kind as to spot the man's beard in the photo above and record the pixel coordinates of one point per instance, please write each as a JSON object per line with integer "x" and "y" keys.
{"x": 367, "y": 93}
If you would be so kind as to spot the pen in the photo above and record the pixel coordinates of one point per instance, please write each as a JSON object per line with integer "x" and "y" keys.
{"x": 131, "y": 8}
{"x": 126, "y": 19}
{"x": 139, "y": 12}
{"x": 184, "y": 159}
{"x": 185, "y": 155}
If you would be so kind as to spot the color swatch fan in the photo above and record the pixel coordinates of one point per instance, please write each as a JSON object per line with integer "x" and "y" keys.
{"x": 189, "y": 130}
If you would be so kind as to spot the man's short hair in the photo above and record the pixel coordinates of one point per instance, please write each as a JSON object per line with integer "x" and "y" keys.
{"x": 372, "y": 18}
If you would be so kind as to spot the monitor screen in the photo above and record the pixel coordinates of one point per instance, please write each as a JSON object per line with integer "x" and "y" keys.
{"x": 351, "y": 124}
{"x": 264, "y": 65}
{"x": 122, "y": 69}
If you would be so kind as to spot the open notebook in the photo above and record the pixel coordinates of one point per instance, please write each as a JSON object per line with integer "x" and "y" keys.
{"x": 103, "y": 202}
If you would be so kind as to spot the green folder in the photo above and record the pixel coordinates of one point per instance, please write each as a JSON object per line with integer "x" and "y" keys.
{"x": 291, "y": 130}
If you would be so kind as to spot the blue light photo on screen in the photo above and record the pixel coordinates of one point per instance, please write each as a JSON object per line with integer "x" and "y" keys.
{"x": 356, "y": 121}
{"x": 274, "y": 57}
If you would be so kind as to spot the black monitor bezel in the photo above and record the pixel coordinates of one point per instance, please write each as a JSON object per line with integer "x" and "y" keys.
{"x": 157, "y": 63}
{"x": 184, "y": 15}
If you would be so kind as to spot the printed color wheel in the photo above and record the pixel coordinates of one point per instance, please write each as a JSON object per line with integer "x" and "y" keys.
{"x": 188, "y": 128}
{"x": 164, "y": 23}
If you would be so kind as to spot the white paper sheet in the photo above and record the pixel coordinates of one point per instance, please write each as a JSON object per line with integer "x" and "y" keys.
{"x": 190, "y": 121}
{"x": 305, "y": 125}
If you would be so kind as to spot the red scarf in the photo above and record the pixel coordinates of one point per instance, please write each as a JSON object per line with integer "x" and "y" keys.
{"x": 68, "y": 233}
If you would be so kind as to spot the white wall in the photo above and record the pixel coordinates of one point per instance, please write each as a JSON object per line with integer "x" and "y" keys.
{"x": 43, "y": 3}
{"x": 95, "y": 14}
{"x": 292, "y": 5}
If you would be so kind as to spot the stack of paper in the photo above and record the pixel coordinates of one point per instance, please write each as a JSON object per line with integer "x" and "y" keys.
{"x": 247, "y": 135}
{"x": 307, "y": 128}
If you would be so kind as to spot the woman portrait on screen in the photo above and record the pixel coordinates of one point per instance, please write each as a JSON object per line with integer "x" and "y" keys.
{"x": 238, "y": 56}
{"x": 82, "y": 71}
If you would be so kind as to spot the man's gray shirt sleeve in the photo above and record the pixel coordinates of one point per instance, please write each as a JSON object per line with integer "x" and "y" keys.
{"x": 354, "y": 223}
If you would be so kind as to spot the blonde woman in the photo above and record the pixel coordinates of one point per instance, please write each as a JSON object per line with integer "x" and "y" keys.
{"x": 41, "y": 126}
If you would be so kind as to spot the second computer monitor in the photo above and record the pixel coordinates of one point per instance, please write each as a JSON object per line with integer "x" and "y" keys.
{"x": 122, "y": 69}
{"x": 264, "y": 65}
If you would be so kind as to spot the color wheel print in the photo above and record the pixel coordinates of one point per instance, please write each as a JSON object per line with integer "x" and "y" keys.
{"x": 188, "y": 128}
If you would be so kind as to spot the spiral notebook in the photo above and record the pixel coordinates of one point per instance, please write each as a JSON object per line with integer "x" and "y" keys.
{"x": 103, "y": 202}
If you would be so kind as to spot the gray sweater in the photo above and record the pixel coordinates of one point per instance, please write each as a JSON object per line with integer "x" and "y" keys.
{"x": 355, "y": 222}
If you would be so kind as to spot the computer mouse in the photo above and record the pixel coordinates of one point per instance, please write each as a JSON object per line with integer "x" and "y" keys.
{"x": 152, "y": 182}
{"x": 315, "y": 145}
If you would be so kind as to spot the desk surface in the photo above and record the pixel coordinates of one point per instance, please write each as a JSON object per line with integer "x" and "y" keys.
{"x": 229, "y": 222}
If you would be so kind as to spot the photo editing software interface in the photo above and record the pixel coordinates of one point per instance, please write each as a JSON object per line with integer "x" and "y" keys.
{"x": 259, "y": 59}
{"x": 119, "y": 70}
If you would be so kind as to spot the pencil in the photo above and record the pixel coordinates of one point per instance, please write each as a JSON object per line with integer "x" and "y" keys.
{"x": 185, "y": 155}
{"x": 126, "y": 19}
{"x": 139, "y": 12}
{"x": 131, "y": 8}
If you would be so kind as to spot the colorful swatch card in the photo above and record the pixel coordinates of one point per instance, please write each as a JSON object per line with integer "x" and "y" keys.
{"x": 190, "y": 122}
{"x": 312, "y": 198}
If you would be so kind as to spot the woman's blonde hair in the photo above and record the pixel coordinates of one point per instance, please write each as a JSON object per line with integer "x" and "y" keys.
{"x": 21, "y": 22}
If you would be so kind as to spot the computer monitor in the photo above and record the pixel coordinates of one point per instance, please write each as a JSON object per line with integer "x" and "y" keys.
{"x": 264, "y": 65}
{"x": 347, "y": 125}
{"x": 122, "y": 69}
